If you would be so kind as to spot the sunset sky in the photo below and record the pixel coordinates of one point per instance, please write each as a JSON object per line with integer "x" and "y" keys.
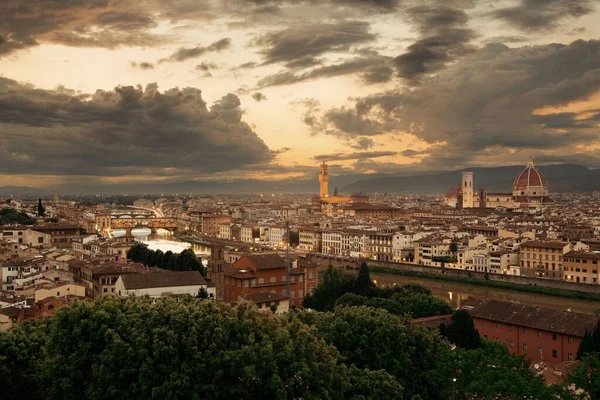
{"x": 124, "y": 91}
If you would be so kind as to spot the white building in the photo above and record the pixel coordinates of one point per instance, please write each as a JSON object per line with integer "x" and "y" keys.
{"x": 277, "y": 236}
{"x": 246, "y": 233}
{"x": 164, "y": 283}
{"x": 332, "y": 243}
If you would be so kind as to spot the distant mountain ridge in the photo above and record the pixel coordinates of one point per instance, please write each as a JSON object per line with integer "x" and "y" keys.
{"x": 561, "y": 178}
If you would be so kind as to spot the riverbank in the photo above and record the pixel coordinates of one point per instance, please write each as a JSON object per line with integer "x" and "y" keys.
{"x": 491, "y": 284}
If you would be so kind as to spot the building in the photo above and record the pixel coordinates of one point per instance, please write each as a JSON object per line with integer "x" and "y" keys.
{"x": 267, "y": 273}
{"x": 324, "y": 181}
{"x": 530, "y": 190}
{"x": 162, "y": 283}
{"x": 543, "y": 259}
{"x": 269, "y": 302}
{"x": 278, "y": 237}
{"x": 61, "y": 235}
{"x": 211, "y": 223}
{"x": 101, "y": 279}
{"x": 581, "y": 266}
{"x": 538, "y": 333}
{"x": 310, "y": 239}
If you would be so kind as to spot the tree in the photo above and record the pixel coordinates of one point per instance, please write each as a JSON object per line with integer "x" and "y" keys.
{"x": 41, "y": 211}
{"x": 334, "y": 283}
{"x": 453, "y": 247}
{"x": 363, "y": 286}
{"x": 376, "y": 340}
{"x": 202, "y": 293}
{"x": 586, "y": 346}
{"x": 586, "y": 376}
{"x": 461, "y": 331}
{"x": 137, "y": 348}
{"x": 165, "y": 259}
{"x": 173, "y": 264}
{"x": 411, "y": 256}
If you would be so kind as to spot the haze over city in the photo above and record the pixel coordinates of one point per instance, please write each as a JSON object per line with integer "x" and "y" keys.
{"x": 117, "y": 93}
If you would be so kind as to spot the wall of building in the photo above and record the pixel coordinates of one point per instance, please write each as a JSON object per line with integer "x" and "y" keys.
{"x": 521, "y": 280}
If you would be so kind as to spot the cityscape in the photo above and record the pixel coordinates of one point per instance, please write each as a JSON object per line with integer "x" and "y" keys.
{"x": 281, "y": 199}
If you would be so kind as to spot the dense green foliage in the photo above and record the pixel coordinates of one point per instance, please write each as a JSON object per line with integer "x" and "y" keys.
{"x": 461, "y": 331}
{"x": 135, "y": 348}
{"x": 490, "y": 283}
{"x": 184, "y": 261}
{"x": 9, "y": 216}
{"x": 338, "y": 288}
{"x": 586, "y": 376}
{"x": 402, "y": 302}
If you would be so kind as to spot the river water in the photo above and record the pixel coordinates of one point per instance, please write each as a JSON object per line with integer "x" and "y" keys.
{"x": 454, "y": 293}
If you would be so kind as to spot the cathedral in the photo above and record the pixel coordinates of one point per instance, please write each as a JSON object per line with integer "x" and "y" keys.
{"x": 530, "y": 190}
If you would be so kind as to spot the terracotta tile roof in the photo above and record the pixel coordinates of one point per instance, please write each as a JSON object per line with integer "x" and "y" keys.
{"x": 162, "y": 279}
{"x": 550, "y": 245}
{"x": 266, "y": 261}
{"x": 258, "y": 298}
{"x": 548, "y": 319}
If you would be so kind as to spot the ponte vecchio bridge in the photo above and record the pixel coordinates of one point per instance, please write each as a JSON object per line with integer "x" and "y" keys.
{"x": 128, "y": 222}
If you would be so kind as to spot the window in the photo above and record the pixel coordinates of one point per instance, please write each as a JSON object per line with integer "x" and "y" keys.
{"x": 105, "y": 290}
{"x": 570, "y": 356}
{"x": 261, "y": 281}
{"x": 539, "y": 333}
{"x": 524, "y": 331}
{"x": 539, "y": 350}
{"x": 57, "y": 294}
{"x": 272, "y": 280}
{"x": 553, "y": 335}
{"x": 510, "y": 328}
{"x": 554, "y": 354}
{"x": 570, "y": 339}
{"x": 497, "y": 325}
{"x": 525, "y": 347}
{"x": 511, "y": 344}
{"x": 50, "y": 307}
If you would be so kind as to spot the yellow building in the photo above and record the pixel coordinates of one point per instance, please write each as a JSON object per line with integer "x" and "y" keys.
{"x": 581, "y": 266}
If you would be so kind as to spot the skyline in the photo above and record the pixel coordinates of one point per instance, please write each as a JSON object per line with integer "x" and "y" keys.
{"x": 107, "y": 92}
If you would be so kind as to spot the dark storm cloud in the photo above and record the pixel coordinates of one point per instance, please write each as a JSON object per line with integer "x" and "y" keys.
{"x": 354, "y": 156}
{"x": 539, "y": 15}
{"x": 444, "y": 38}
{"x": 228, "y": 108}
{"x": 142, "y": 65}
{"x": 129, "y": 130}
{"x": 78, "y": 23}
{"x": 258, "y": 96}
{"x": 412, "y": 153}
{"x": 185, "y": 53}
{"x": 486, "y": 105}
{"x": 363, "y": 143}
{"x": 312, "y": 40}
{"x": 372, "y": 69}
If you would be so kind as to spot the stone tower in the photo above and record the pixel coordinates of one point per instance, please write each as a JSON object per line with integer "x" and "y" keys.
{"x": 216, "y": 270}
{"x": 467, "y": 190}
{"x": 324, "y": 180}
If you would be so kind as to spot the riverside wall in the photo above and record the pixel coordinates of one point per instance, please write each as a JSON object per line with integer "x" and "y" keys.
{"x": 341, "y": 262}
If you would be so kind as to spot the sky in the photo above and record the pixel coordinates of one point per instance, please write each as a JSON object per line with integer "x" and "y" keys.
{"x": 141, "y": 91}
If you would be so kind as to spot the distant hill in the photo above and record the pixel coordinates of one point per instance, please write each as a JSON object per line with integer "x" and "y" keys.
{"x": 561, "y": 178}
{"x": 7, "y": 191}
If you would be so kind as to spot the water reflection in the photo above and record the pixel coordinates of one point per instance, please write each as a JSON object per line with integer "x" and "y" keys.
{"x": 454, "y": 293}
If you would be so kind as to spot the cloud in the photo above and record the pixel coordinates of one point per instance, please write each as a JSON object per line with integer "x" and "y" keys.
{"x": 444, "y": 38}
{"x": 186, "y": 53}
{"x": 142, "y": 65}
{"x": 363, "y": 143}
{"x": 205, "y": 66}
{"x": 305, "y": 42}
{"x": 77, "y": 23}
{"x": 126, "y": 131}
{"x": 259, "y": 96}
{"x": 372, "y": 69}
{"x": 543, "y": 15}
{"x": 354, "y": 156}
{"x": 228, "y": 108}
{"x": 485, "y": 107}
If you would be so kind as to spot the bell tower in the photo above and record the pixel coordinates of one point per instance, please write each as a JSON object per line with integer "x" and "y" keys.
{"x": 216, "y": 270}
{"x": 467, "y": 190}
{"x": 324, "y": 180}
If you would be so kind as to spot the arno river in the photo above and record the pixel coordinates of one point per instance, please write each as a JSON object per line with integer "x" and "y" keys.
{"x": 454, "y": 293}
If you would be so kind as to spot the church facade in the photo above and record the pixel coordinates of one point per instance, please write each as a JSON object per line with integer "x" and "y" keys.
{"x": 530, "y": 190}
